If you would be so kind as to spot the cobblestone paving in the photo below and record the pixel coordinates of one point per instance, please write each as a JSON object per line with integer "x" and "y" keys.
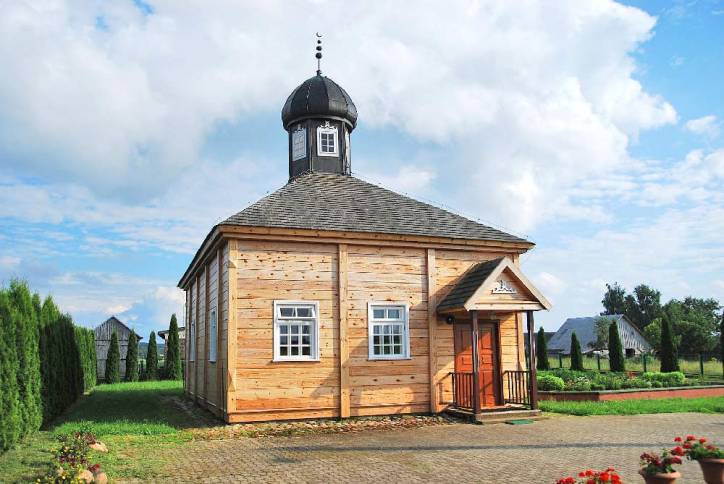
{"x": 499, "y": 453}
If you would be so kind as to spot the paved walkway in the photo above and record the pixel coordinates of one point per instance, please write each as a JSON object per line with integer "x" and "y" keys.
{"x": 500, "y": 453}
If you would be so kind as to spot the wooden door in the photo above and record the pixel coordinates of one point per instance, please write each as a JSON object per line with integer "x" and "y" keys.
{"x": 488, "y": 354}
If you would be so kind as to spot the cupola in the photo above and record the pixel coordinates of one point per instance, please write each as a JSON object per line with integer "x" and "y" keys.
{"x": 319, "y": 116}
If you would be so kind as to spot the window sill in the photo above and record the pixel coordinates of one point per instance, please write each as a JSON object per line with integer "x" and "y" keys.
{"x": 390, "y": 359}
{"x": 291, "y": 360}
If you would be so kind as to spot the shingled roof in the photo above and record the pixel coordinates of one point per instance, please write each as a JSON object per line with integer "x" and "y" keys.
{"x": 326, "y": 201}
{"x": 468, "y": 284}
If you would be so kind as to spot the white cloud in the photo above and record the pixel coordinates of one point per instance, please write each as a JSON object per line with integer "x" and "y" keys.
{"x": 124, "y": 111}
{"x": 706, "y": 125}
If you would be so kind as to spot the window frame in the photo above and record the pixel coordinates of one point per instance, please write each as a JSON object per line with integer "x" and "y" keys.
{"x": 213, "y": 336}
{"x": 372, "y": 322}
{"x": 314, "y": 340}
{"x": 328, "y": 129}
{"x": 300, "y": 130}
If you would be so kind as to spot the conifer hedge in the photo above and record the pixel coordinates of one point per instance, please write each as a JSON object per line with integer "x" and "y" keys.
{"x": 541, "y": 351}
{"x": 173, "y": 352}
{"x": 46, "y": 362}
{"x": 132, "y": 358}
{"x": 576, "y": 355}
{"x": 113, "y": 361}
{"x": 152, "y": 358}
{"x": 616, "y": 359}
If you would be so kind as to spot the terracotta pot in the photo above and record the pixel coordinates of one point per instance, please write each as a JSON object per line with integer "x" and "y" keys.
{"x": 660, "y": 478}
{"x": 713, "y": 470}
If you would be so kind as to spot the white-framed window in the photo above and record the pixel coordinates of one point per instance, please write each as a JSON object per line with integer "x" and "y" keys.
{"x": 296, "y": 330}
{"x": 299, "y": 143}
{"x": 213, "y": 336}
{"x": 192, "y": 340}
{"x": 388, "y": 330}
{"x": 327, "y": 141}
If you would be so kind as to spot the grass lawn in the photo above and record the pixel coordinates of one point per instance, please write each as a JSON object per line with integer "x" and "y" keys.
{"x": 689, "y": 366}
{"x": 137, "y": 421}
{"x": 634, "y": 407}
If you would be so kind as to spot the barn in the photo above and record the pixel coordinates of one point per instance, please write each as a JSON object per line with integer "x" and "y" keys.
{"x": 335, "y": 297}
{"x": 103, "y": 334}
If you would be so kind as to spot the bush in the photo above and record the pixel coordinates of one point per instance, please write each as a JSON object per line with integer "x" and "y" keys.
{"x": 151, "y": 358}
{"x": 672, "y": 379}
{"x": 541, "y": 351}
{"x": 173, "y": 352}
{"x": 44, "y": 360}
{"x": 576, "y": 356}
{"x": 550, "y": 383}
{"x": 132, "y": 358}
{"x": 113, "y": 361}
{"x": 579, "y": 384}
{"x": 615, "y": 349}
{"x": 566, "y": 374}
{"x": 609, "y": 381}
{"x": 636, "y": 382}
{"x": 669, "y": 358}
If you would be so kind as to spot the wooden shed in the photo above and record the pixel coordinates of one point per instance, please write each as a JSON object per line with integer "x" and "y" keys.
{"x": 103, "y": 334}
{"x": 334, "y": 297}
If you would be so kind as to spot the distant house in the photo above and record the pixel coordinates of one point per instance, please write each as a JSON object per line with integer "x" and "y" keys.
{"x": 103, "y": 334}
{"x": 633, "y": 341}
{"x": 181, "y": 341}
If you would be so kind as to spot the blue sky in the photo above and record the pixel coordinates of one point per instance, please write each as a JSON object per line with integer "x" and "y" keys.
{"x": 595, "y": 129}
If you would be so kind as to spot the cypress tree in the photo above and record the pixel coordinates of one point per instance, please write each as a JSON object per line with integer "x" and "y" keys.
{"x": 10, "y": 419}
{"x": 173, "y": 352}
{"x": 669, "y": 358}
{"x": 152, "y": 358}
{"x": 541, "y": 351}
{"x": 615, "y": 348}
{"x": 721, "y": 341}
{"x": 113, "y": 361}
{"x": 132, "y": 358}
{"x": 576, "y": 355}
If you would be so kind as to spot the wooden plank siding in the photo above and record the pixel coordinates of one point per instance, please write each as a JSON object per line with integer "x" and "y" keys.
{"x": 241, "y": 279}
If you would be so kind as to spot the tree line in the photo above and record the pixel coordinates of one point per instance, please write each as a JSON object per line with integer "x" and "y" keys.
{"x": 172, "y": 364}
{"x": 695, "y": 323}
{"x": 46, "y": 362}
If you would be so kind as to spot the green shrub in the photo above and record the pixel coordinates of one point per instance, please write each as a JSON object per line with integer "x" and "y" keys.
{"x": 609, "y": 381}
{"x": 152, "y": 358}
{"x": 541, "y": 351}
{"x": 567, "y": 374}
{"x": 173, "y": 352}
{"x": 113, "y": 361}
{"x": 636, "y": 382}
{"x": 656, "y": 384}
{"x": 576, "y": 356}
{"x": 615, "y": 349}
{"x": 671, "y": 379}
{"x": 580, "y": 384}
{"x": 132, "y": 358}
{"x": 669, "y": 357}
{"x": 549, "y": 383}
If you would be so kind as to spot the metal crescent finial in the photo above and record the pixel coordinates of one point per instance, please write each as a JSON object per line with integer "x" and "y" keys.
{"x": 318, "y": 55}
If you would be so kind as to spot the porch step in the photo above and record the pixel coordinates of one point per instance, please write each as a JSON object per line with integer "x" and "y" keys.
{"x": 497, "y": 416}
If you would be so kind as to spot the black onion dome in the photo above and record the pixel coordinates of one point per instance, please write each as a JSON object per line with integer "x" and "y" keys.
{"x": 319, "y": 97}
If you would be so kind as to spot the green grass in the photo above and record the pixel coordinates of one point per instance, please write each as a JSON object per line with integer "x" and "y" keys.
{"x": 635, "y": 407}
{"x": 135, "y": 420}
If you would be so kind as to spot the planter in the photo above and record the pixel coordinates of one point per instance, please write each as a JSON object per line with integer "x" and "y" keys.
{"x": 713, "y": 470}
{"x": 660, "y": 478}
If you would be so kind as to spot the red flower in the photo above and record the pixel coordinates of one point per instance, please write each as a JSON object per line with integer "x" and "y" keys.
{"x": 589, "y": 472}
{"x": 581, "y": 474}
{"x": 591, "y": 481}
{"x": 687, "y": 445}
{"x": 690, "y": 437}
{"x": 677, "y": 451}
{"x": 710, "y": 447}
{"x": 702, "y": 440}
{"x": 677, "y": 439}
{"x": 605, "y": 477}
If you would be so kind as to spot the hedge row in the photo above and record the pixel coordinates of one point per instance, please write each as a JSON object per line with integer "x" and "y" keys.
{"x": 46, "y": 362}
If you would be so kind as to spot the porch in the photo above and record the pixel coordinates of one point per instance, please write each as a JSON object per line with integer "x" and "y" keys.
{"x": 483, "y": 387}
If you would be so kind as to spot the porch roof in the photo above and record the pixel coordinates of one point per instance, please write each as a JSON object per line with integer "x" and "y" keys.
{"x": 477, "y": 289}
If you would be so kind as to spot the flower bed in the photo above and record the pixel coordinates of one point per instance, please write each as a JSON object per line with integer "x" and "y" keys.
{"x": 568, "y": 385}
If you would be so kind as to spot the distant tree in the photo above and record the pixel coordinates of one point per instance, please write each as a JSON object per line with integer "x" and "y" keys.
{"x": 113, "y": 361}
{"x": 541, "y": 351}
{"x": 646, "y": 307}
{"x": 721, "y": 338}
{"x": 614, "y": 300}
{"x": 600, "y": 327}
{"x": 615, "y": 349}
{"x": 152, "y": 358}
{"x": 694, "y": 322}
{"x": 576, "y": 355}
{"x": 173, "y": 352}
{"x": 669, "y": 358}
{"x": 132, "y": 358}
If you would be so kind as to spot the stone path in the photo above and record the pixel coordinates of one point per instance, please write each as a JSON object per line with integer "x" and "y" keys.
{"x": 500, "y": 453}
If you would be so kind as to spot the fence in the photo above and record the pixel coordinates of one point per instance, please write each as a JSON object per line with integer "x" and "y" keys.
{"x": 703, "y": 365}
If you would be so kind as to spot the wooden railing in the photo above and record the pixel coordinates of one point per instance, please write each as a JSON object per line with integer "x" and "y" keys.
{"x": 517, "y": 384}
{"x": 462, "y": 386}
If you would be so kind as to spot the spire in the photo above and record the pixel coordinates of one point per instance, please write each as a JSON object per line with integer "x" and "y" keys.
{"x": 318, "y": 55}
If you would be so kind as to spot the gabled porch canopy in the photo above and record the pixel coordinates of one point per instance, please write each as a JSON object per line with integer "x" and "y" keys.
{"x": 495, "y": 285}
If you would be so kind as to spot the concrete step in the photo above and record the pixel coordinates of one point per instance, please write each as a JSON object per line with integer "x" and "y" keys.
{"x": 497, "y": 416}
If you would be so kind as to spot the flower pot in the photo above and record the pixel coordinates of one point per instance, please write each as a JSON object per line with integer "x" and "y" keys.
{"x": 660, "y": 478}
{"x": 713, "y": 470}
